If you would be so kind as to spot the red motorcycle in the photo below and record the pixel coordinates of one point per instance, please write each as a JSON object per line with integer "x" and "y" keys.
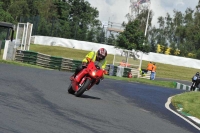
{"x": 85, "y": 79}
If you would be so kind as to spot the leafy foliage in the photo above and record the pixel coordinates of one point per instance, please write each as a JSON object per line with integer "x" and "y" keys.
{"x": 73, "y": 19}
{"x": 132, "y": 37}
{"x": 179, "y": 33}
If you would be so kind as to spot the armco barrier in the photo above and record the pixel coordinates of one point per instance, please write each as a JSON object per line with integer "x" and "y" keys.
{"x": 43, "y": 60}
{"x": 26, "y": 57}
{"x": 184, "y": 87}
{"x": 67, "y": 65}
{"x": 126, "y": 72}
{"x": 59, "y": 63}
{"x": 112, "y": 70}
{"x": 55, "y": 62}
{"x": 75, "y": 64}
{"x": 145, "y": 75}
{"x": 47, "y": 61}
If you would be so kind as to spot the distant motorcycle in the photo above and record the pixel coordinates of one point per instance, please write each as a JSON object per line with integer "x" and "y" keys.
{"x": 195, "y": 82}
{"x": 85, "y": 79}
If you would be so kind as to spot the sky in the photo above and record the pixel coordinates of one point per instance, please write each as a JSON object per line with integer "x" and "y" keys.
{"x": 115, "y": 10}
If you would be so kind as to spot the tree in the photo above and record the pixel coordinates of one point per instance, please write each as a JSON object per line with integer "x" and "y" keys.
{"x": 5, "y": 16}
{"x": 111, "y": 39}
{"x": 152, "y": 34}
{"x": 18, "y": 8}
{"x": 91, "y": 35}
{"x": 82, "y": 16}
{"x": 132, "y": 37}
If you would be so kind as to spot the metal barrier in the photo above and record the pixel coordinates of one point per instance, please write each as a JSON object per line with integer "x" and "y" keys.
{"x": 67, "y": 65}
{"x": 59, "y": 63}
{"x": 145, "y": 75}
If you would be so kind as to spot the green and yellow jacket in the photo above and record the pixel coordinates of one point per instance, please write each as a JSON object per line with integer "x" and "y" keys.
{"x": 92, "y": 55}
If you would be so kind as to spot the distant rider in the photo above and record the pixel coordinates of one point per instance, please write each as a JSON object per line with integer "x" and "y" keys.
{"x": 198, "y": 79}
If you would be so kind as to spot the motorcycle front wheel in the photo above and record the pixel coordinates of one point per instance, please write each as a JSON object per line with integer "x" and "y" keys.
{"x": 70, "y": 89}
{"x": 192, "y": 88}
{"x": 83, "y": 88}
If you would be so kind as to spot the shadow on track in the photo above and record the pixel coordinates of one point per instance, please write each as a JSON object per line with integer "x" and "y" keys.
{"x": 91, "y": 97}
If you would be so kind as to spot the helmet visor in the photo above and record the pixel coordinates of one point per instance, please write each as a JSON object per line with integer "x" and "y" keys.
{"x": 101, "y": 57}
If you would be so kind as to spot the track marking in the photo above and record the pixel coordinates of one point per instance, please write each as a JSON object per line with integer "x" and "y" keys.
{"x": 167, "y": 106}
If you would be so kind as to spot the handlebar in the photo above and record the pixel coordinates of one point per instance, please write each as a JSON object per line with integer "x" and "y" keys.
{"x": 88, "y": 59}
{"x": 98, "y": 67}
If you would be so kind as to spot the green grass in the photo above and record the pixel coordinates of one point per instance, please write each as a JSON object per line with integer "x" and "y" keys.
{"x": 168, "y": 84}
{"x": 189, "y": 100}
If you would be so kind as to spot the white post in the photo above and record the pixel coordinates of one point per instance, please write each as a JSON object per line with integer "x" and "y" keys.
{"x": 30, "y": 33}
{"x": 23, "y": 36}
{"x": 140, "y": 63}
{"x": 17, "y": 34}
{"x": 127, "y": 58}
{"x": 147, "y": 23}
{"x": 26, "y": 35}
{"x": 114, "y": 57}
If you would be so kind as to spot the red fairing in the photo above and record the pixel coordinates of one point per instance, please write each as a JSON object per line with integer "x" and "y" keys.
{"x": 91, "y": 72}
{"x": 100, "y": 73}
{"x": 80, "y": 75}
{"x": 78, "y": 78}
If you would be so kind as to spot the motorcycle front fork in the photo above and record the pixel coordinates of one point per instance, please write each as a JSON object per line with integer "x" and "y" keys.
{"x": 193, "y": 86}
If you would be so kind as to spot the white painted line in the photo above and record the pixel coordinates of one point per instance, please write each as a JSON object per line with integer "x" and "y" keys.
{"x": 167, "y": 106}
{"x": 194, "y": 119}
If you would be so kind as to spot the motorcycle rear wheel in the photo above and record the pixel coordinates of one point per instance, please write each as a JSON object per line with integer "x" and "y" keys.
{"x": 83, "y": 88}
{"x": 70, "y": 90}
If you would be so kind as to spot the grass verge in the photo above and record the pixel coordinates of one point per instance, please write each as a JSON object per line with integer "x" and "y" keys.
{"x": 190, "y": 101}
{"x": 168, "y": 84}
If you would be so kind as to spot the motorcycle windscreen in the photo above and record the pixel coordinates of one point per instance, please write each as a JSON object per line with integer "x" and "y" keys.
{"x": 194, "y": 78}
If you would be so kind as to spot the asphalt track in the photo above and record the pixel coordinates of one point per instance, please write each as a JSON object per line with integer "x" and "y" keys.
{"x": 36, "y": 101}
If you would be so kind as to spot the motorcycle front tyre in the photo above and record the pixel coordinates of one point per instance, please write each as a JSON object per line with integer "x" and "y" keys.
{"x": 70, "y": 89}
{"x": 83, "y": 88}
{"x": 192, "y": 88}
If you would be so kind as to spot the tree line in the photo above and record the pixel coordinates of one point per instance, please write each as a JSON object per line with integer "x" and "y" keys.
{"x": 72, "y": 19}
{"x": 179, "y": 32}
{"x": 176, "y": 34}
{"x": 77, "y": 19}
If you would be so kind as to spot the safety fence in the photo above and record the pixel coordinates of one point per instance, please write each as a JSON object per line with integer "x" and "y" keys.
{"x": 47, "y": 61}
{"x": 62, "y": 64}
{"x": 66, "y": 64}
{"x": 145, "y": 75}
{"x": 184, "y": 87}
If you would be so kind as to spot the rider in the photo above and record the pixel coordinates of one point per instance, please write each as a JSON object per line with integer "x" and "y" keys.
{"x": 97, "y": 57}
{"x": 197, "y": 74}
{"x": 198, "y": 78}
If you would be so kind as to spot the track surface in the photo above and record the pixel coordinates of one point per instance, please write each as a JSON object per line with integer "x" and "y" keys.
{"x": 36, "y": 100}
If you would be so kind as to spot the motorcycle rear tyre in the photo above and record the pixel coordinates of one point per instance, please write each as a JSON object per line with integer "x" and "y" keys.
{"x": 83, "y": 88}
{"x": 70, "y": 90}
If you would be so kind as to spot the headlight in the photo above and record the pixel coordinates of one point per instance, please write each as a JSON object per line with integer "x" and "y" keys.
{"x": 93, "y": 73}
{"x": 195, "y": 78}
